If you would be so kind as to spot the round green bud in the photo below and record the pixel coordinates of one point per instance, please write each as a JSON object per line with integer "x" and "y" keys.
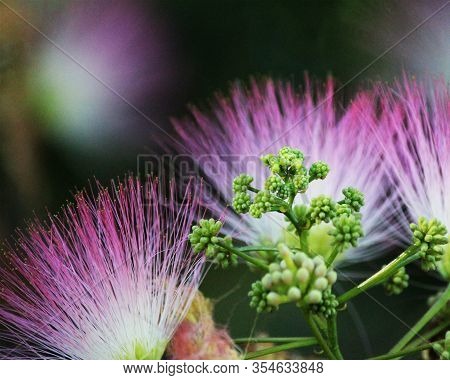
{"x": 274, "y": 267}
{"x": 262, "y": 203}
{"x": 318, "y": 170}
{"x": 321, "y": 270}
{"x": 273, "y": 299}
{"x": 314, "y": 296}
{"x": 299, "y": 257}
{"x": 241, "y": 203}
{"x": 302, "y": 275}
{"x": 429, "y": 236}
{"x": 276, "y": 185}
{"x": 294, "y": 293}
{"x": 321, "y": 283}
{"x": 322, "y": 209}
{"x": 241, "y": 183}
{"x": 267, "y": 281}
{"x": 308, "y": 264}
{"x": 397, "y": 283}
{"x": 332, "y": 277}
{"x": 276, "y": 277}
{"x": 353, "y": 198}
{"x": 287, "y": 277}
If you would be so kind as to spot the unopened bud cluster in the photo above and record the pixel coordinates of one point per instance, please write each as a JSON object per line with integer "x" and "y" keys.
{"x": 429, "y": 236}
{"x": 288, "y": 177}
{"x": 204, "y": 238}
{"x": 294, "y": 277}
{"x": 397, "y": 283}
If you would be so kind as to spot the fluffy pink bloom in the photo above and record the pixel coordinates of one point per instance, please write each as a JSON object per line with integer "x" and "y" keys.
{"x": 414, "y": 132}
{"x": 268, "y": 115}
{"x": 110, "y": 277}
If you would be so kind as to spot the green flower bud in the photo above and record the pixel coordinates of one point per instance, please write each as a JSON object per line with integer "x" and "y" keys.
{"x": 294, "y": 293}
{"x": 241, "y": 203}
{"x": 262, "y": 203}
{"x": 258, "y": 298}
{"x": 273, "y": 299}
{"x": 301, "y": 182}
{"x": 201, "y": 235}
{"x": 353, "y": 198}
{"x": 429, "y": 236}
{"x": 327, "y": 307}
{"x": 322, "y": 209}
{"x": 314, "y": 296}
{"x": 347, "y": 231}
{"x": 277, "y": 186}
{"x": 321, "y": 283}
{"x": 318, "y": 170}
{"x": 302, "y": 275}
{"x": 287, "y": 277}
{"x": 397, "y": 283}
{"x": 241, "y": 183}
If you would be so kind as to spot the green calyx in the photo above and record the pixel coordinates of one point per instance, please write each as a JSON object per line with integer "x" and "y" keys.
{"x": 397, "y": 283}
{"x": 429, "y": 237}
{"x": 293, "y": 277}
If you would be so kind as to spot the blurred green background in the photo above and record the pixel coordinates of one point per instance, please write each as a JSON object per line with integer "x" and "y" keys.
{"x": 140, "y": 62}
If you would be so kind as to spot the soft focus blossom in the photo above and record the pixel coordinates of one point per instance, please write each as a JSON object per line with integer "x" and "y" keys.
{"x": 106, "y": 57}
{"x": 198, "y": 338}
{"x": 414, "y": 131}
{"x": 110, "y": 277}
{"x": 268, "y": 115}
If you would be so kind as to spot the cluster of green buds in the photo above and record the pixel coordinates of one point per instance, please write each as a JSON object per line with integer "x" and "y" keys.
{"x": 293, "y": 277}
{"x": 429, "y": 237}
{"x": 204, "y": 237}
{"x": 443, "y": 350}
{"x": 288, "y": 177}
{"x": 397, "y": 283}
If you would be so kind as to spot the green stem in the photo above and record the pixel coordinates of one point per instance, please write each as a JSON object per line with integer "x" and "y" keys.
{"x": 383, "y": 274}
{"x": 259, "y": 263}
{"x": 333, "y": 336}
{"x": 429, "y": 334}
{"x": 316, "y": 332}
{"x": 273, "y": 340}
{"x": 254, "y": 189}
{"x": 420, "y": 324}
{"x": 256, "y": 248}
{"x": 306, "y": 342}
{"x": 334, "y": 253}
{"x": 304, "y": 241}
{"x": 407, "y": 351}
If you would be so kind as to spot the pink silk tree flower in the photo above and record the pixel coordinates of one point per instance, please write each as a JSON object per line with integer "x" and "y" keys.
{"x": 267, "y": 115}
{"x": 110, "y": 277}
{"x": 414, "y": 131}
